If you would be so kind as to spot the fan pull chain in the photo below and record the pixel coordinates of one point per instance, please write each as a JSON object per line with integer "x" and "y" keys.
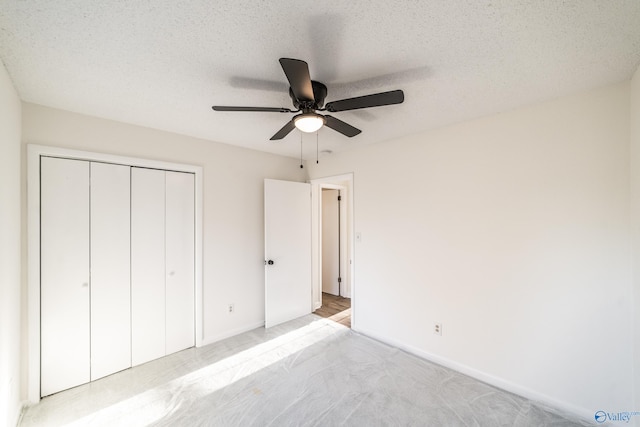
{"x": 316, "y": 147}
{"x": 301, "y": 151}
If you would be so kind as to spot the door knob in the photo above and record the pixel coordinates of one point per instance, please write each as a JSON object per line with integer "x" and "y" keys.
{"x": 270, "y": 262}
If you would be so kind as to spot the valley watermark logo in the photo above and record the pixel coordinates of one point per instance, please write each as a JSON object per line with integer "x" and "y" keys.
{"x": 625, "y": 416}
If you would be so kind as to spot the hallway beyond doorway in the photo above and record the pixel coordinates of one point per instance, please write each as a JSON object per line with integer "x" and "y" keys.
{"x": 335, "y": 308}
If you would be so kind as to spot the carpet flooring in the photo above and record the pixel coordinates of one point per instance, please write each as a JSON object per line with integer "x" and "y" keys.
{"x": 307, "y": 372}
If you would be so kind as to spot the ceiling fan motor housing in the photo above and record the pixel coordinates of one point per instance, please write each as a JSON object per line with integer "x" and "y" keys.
{"x": 319, "y": 94}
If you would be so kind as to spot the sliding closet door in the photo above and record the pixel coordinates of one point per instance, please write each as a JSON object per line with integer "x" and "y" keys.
{"x": 110, "y": 269}
{"x": 147, "y": 265}
{"x": 64, "y": 284}
{"x": 180, "y": 333}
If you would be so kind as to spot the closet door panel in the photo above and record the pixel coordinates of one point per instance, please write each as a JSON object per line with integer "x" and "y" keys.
{"x": 147, "y": 265}
{"x": 64, "y": 283}
{"x": 180, "y": 256}
{"x": 110, "y": 269}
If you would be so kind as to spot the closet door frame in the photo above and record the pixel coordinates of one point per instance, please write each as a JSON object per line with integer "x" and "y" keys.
{"x": 34, "y": 153}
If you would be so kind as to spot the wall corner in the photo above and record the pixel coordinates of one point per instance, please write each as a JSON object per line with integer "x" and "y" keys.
{"x": 635, "y": 231}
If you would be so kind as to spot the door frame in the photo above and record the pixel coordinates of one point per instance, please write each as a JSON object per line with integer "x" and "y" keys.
{"x": 344, "y": 183}
{"x": 34, "y": 152}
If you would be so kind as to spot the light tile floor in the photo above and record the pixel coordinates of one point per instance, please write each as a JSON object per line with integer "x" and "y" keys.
{"x": 307, "y": 372}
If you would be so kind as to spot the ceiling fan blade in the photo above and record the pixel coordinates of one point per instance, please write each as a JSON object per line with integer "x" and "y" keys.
{"x": 375, "y": 100}
{"x": 340, "y": 126}
{"x": 297, "y": 73}
{"x": 251, "y": 109}
{"x": 284, "y": 131}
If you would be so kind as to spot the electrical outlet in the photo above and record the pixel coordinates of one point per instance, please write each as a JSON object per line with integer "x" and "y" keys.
{"x": 437, "y": 328}
{"x": 232, "y": 308}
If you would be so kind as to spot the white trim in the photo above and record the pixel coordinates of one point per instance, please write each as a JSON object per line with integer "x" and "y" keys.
{"x": 232, "y": 333}
{"x": 34, "y": 152}
{"x": 331, "y": 186}
{"x": 583, "y": 414}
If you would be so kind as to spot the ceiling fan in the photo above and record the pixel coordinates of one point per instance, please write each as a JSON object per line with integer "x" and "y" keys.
{"x": 308, "y": 98}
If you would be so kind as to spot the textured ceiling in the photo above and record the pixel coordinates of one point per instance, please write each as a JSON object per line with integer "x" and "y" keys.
{"x": 162, "y": 64}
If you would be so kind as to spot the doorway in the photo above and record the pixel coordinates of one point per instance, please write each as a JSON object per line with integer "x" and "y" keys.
{"x": 335, "y": 308}
{"x": 331, "y": 262}
{"x": 333, "y": 249}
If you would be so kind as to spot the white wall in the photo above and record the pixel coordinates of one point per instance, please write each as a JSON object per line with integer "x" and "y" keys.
{"x": 635, "y": 224}
{"x": 513, "y": 231}
{"x": 10, "y": 251}
{"x": 233, "y": 222}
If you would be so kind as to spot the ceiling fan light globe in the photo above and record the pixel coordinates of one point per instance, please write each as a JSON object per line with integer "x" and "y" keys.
{"x": 309, "y": 122}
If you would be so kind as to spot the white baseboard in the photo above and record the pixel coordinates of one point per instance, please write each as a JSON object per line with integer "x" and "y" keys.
{"x": 231, "y": 333}
{"x": 545, "y": 400}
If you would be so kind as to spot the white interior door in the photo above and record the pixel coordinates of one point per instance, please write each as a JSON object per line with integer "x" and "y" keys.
{"x": 147, "y": 265}
{"x": 110, "y": 269}
{"x": 287, "y": 212}
{"x": 180, "y": 257}
{"x": 64, "y": 281}
{"x": 330, "y": 241}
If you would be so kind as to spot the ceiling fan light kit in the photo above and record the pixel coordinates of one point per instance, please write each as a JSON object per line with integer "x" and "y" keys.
{"x": 308, "y": 97}
{"x": 309, "y": 122}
